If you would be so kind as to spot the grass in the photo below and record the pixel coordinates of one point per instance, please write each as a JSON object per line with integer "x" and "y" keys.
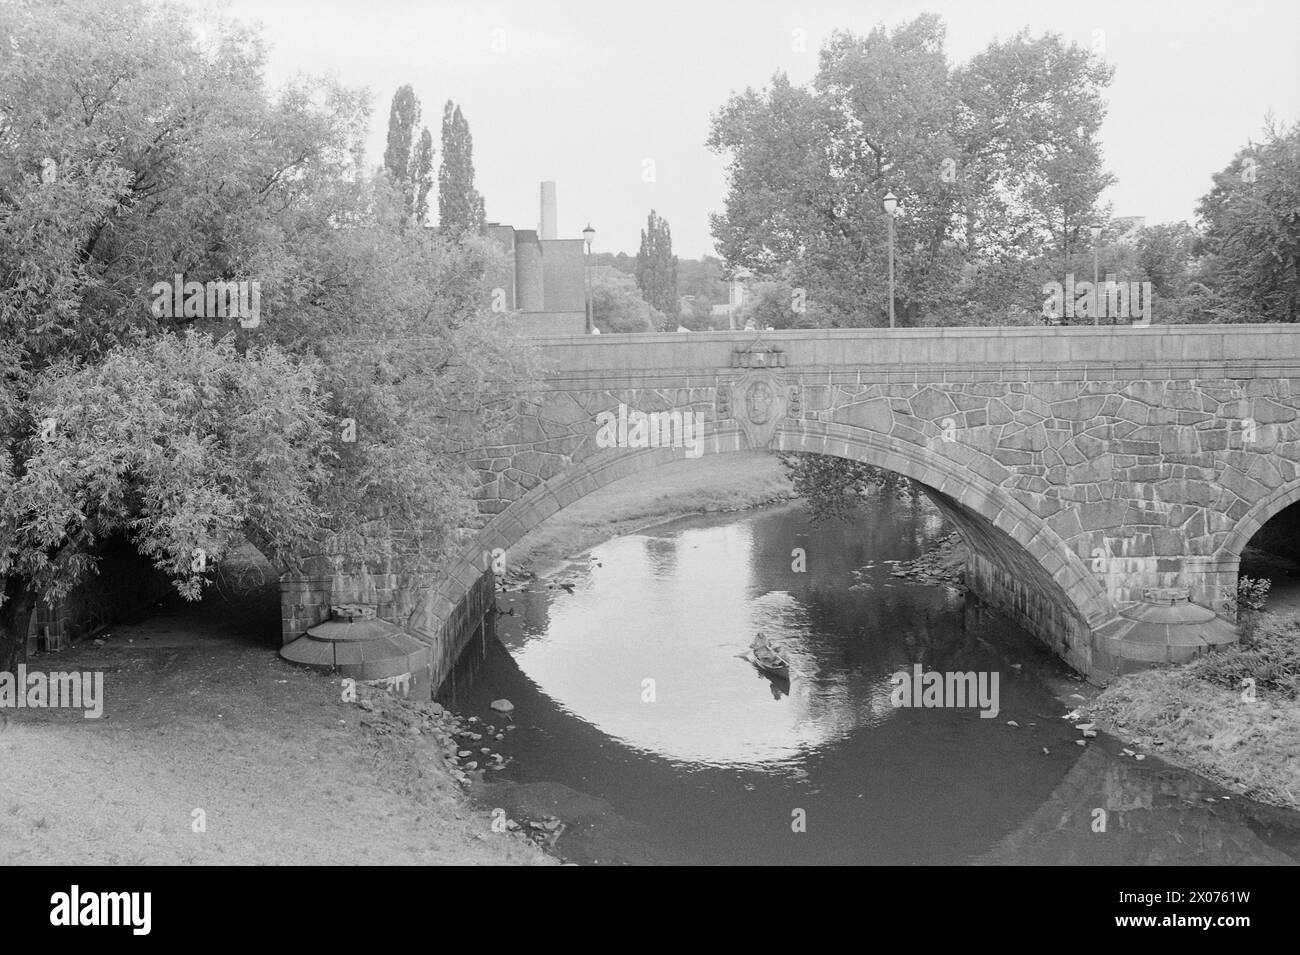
{"x": 1203, "y": 716}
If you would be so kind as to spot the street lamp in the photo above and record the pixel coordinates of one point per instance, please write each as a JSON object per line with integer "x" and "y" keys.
{"x": 588, "y": 234}
{"x": 1096, "y": 306}
{"x": 890, "y": 205}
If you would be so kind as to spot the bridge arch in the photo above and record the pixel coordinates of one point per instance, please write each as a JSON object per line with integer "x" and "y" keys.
{"x": 1019, "y": 561}
{"x": 1260, "y": 514}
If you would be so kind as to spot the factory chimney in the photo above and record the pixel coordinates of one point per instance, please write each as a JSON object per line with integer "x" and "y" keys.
{"x": 546, "y": 229}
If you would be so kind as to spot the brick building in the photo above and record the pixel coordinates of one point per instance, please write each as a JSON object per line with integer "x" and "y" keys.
{"x": 543, "y": 276}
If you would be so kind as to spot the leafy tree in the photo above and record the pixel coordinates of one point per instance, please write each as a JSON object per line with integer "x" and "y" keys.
{"x": 129, "y": 153}
{"x": 656, "y": 266}
{"x": 403, "y": 117}
{"x": 995, "y": 162}
{"x": 1164, "y": 253}
{"x": 408, "y": 163}
{"x": 701, "y": 280}
{"x": 617, "y": 305}
{"x": 772, "y": 304}
{"x": 1251, "y": 221}
{"x": 423, "y": 175}
{"x": 833, "y": 487}
{"x": 621, "y": 261}
{"x": 460, "y": 207}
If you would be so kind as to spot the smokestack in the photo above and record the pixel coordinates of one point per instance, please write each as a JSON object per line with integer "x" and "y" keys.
{"x": 546, "y": 229}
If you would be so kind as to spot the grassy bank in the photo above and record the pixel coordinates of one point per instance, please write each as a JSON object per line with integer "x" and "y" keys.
{"x": 1203, "y": 716}
{"x": 720, "y": 482}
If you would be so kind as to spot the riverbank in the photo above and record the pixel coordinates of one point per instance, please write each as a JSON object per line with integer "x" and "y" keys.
{"x": 717, "y": 483}
{"x": 212, "y": 750}
{"x": 1232, "y": 716}
{"x": 1194, "y": 715}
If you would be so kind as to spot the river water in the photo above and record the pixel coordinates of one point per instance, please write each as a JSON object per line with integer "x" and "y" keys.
{"x": 638, "y": 723}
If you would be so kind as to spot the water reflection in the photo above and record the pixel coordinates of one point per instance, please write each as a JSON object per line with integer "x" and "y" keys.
{"x": 632, "y": 696}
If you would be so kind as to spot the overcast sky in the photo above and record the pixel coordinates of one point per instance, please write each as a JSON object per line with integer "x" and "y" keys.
{"x": 585, "y": 93}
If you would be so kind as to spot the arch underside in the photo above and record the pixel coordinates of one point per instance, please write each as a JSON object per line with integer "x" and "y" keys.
{"x": 1260, "y": 514}
{"x": 1016, "y": 557}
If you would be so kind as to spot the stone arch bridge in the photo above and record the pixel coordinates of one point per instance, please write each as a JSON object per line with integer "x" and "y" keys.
{"x": 1084, "y": 466}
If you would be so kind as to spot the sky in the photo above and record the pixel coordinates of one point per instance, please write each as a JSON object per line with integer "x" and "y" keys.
{"x": 612, "y": 100}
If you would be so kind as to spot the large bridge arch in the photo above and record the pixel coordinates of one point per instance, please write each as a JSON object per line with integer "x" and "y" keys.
{"x": 1019, "y": 561}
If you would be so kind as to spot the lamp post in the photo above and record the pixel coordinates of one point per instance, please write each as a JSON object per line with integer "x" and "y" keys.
{"x": 1096, "y": 297}
{"x": 890, "y": 205}
{"x": 588, "y": 234}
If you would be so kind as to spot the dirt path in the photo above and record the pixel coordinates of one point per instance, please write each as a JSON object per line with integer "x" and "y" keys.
{"x": 201, "y": 716}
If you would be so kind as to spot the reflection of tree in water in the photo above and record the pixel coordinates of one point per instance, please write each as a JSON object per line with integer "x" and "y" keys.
{"x": 663, "y": 554}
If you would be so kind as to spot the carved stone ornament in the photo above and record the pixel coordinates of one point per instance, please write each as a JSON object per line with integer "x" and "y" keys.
{"x": 758, "y": 401}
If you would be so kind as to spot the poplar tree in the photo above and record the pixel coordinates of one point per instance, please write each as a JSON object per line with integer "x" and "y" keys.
{"x": 460, "y": 207}
{"x": 656, "y": 266}
{"x": 409, "y": 165}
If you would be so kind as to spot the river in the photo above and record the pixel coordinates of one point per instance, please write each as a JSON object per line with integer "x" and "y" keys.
{"x": 639, "y": 724}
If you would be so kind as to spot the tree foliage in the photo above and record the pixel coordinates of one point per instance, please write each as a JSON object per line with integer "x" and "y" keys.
{"x": 1251, "y": 221}
{"x": 409, "y": 161}
{"x": 996, "y": 162}
{"x": 460, "y": 207}
{"x": 656, "y": 266}
{"x": 617, "y": 305}
{"x": 131, "y": 153}
{"x": 833, "y": 487}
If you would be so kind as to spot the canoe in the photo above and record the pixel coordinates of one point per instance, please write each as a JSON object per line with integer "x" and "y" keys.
{"x": 769, "y": 661}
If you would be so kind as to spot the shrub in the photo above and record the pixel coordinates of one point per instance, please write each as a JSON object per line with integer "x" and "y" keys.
{"x": 1271, "y": 659}
{"x": 1251, "y": 594}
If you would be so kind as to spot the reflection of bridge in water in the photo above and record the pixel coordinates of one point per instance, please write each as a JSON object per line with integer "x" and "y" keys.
{"x": 1154, "y": 815}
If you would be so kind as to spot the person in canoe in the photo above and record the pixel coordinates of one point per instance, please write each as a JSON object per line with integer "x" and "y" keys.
{"x": 769, "y": 657}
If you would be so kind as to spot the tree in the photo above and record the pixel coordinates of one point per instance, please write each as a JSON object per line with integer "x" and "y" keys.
{"x": 423, "y": 175}
{"x": 1251, "y": 221}
{"x": 996, "y": 163}
{"x": 460, "y": 207}
{"x": 1164, "y": 252}
{"x": 700, "y": 281}
{"x": 403, "y": 117}
{"x": 410, "y": 164}
{"x": 130, "y": 152}
{"x": 656, "y": 267}
{"x": 617, "y": 305}
{"x": 772, "y": 304}
{"x": 832, "y": 487}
